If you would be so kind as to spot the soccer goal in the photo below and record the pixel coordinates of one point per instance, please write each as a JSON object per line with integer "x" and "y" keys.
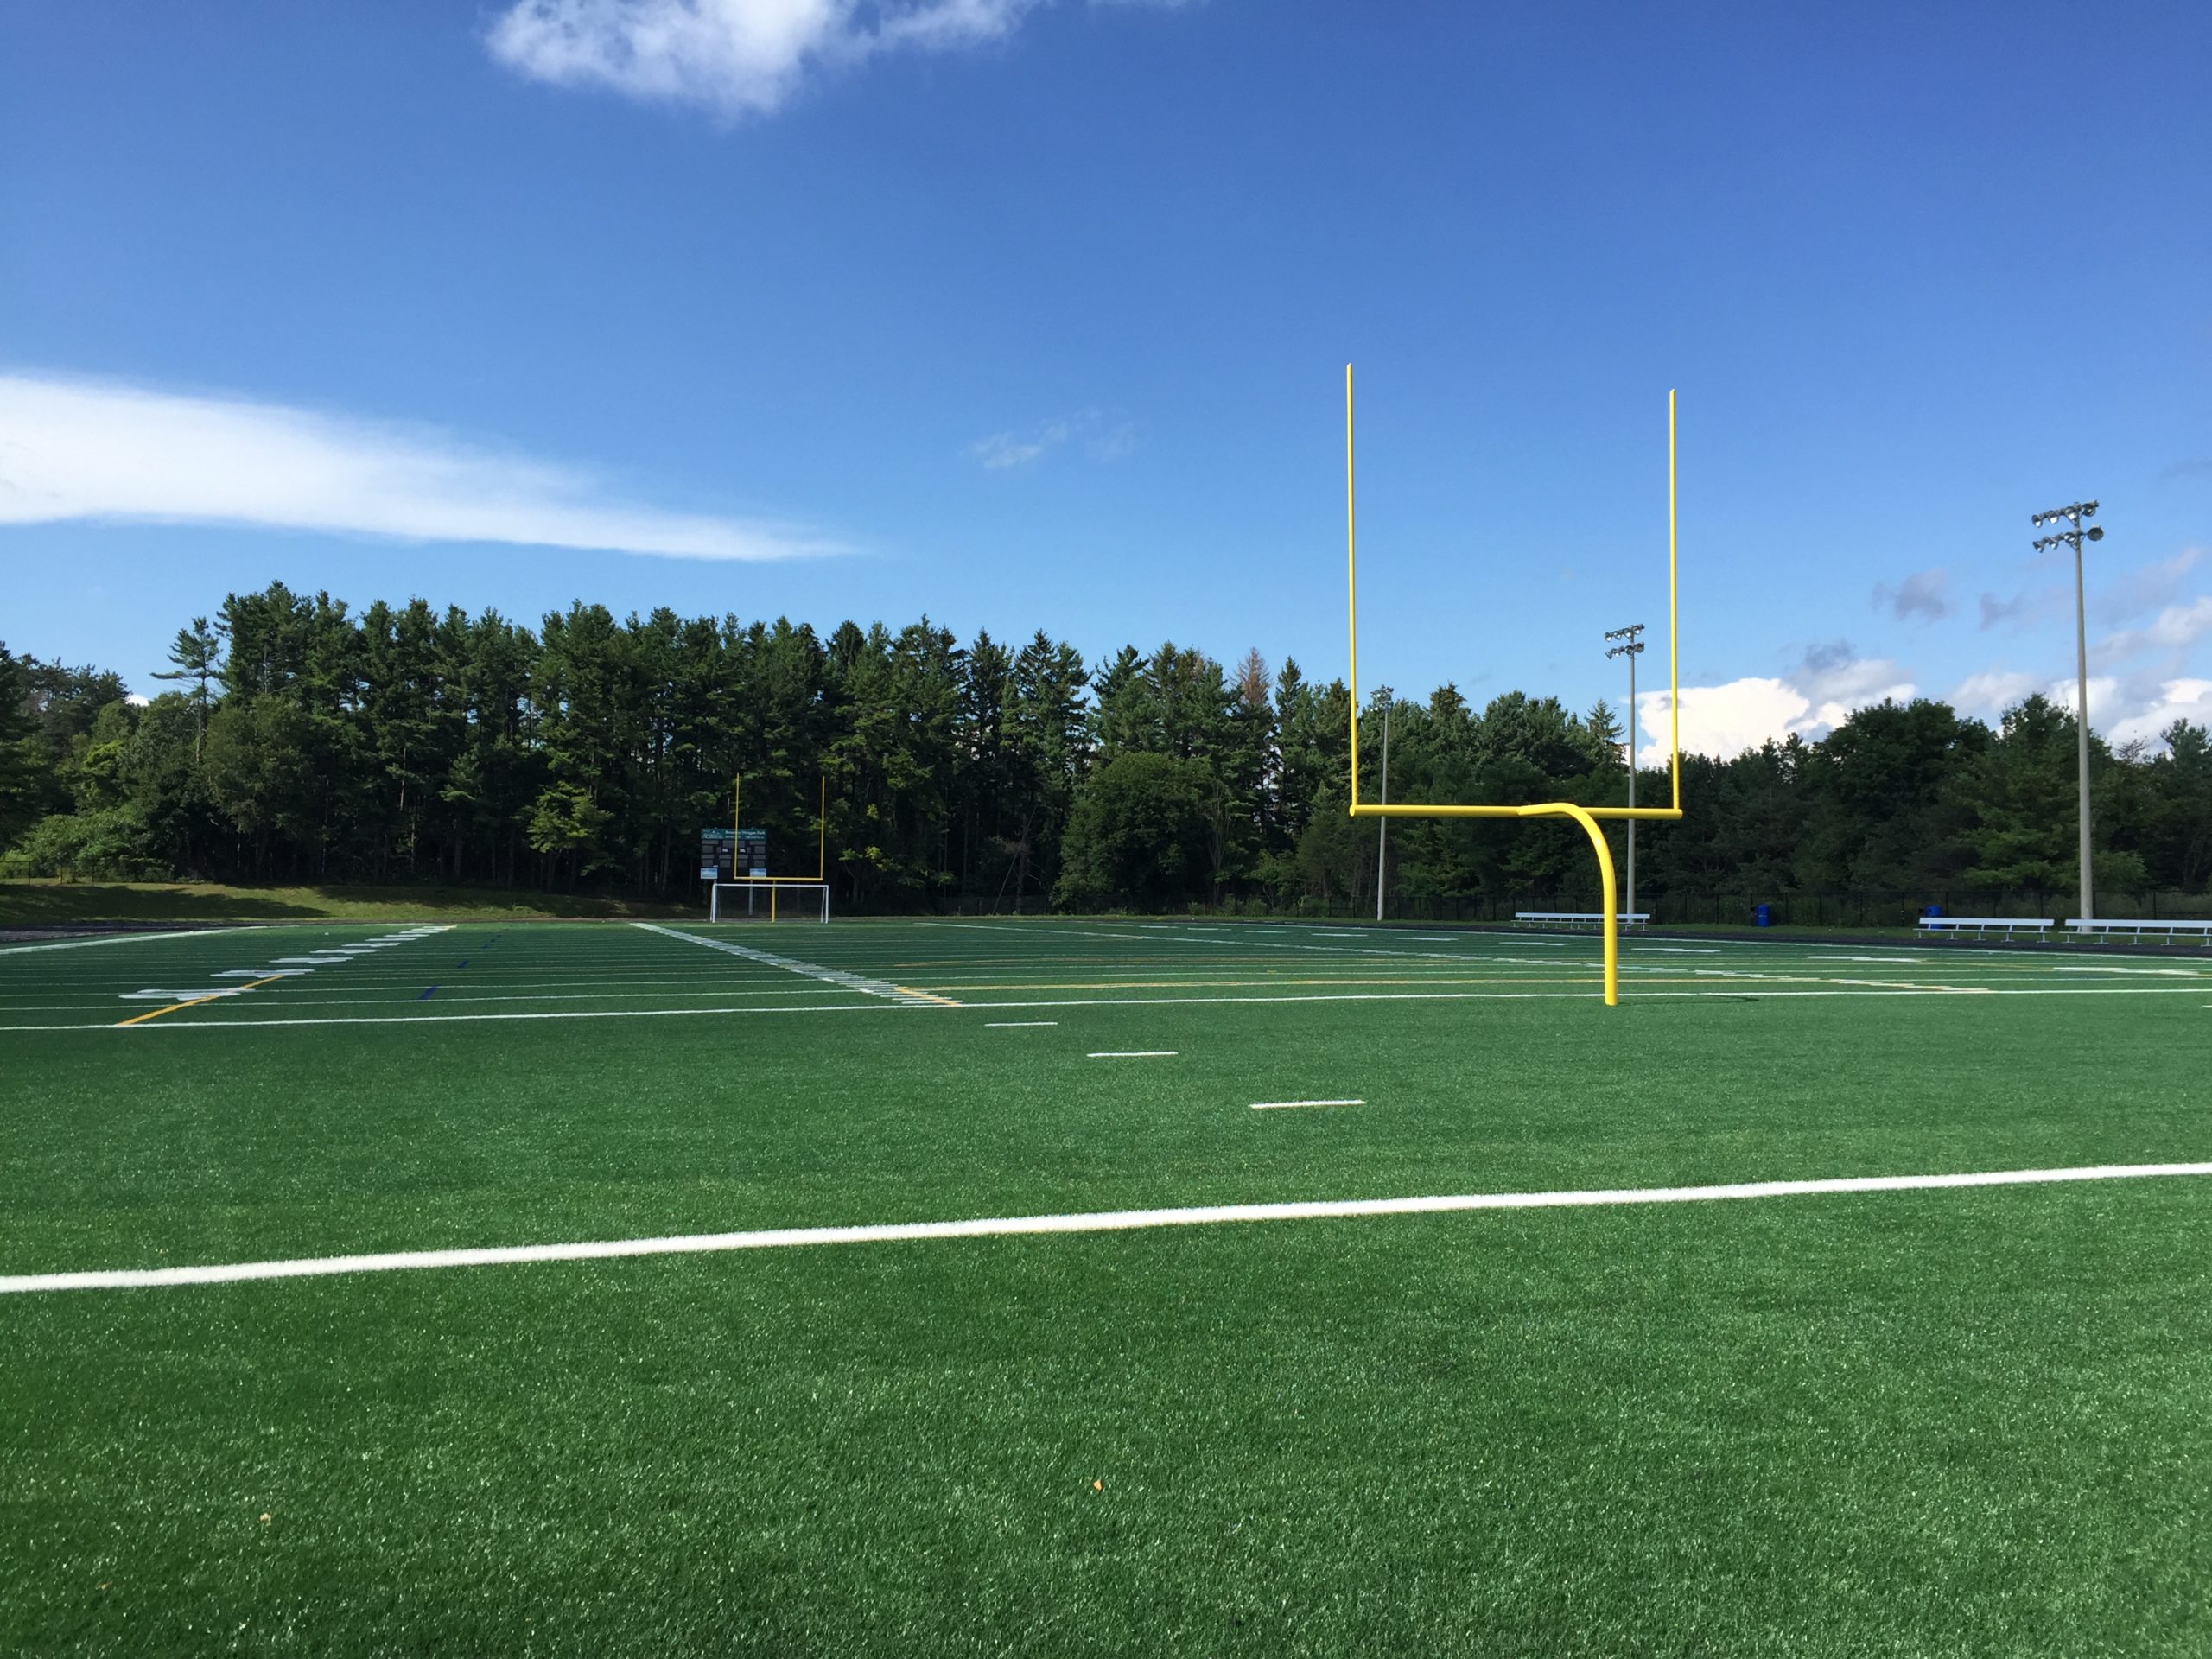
{"x": 778, "y": 900}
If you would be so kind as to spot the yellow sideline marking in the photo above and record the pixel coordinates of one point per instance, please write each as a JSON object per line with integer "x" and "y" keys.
{"x": 926, "y": 996}
{"x": 155, "y": 1014}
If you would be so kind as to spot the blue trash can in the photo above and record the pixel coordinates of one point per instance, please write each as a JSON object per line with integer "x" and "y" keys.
{"x": 1764, "y": 914}
{"x": 1931, "y": 910}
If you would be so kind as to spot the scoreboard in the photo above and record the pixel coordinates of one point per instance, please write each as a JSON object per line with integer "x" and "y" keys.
{"x": 732, "y": 855}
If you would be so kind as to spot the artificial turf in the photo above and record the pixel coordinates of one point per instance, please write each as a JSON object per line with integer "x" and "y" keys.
{"x": 1956, "y": 1421}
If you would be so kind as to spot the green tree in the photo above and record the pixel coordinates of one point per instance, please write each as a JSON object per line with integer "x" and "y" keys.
{"x": 27, "y": 787}
{"x": 1139, "y": 835}
{"x": 195, "y": 655}
{"x": 2020, "y": 794}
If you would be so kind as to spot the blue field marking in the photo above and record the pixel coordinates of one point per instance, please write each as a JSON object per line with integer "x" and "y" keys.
{"x": 463, "y": 962}
{"x": 427, "y": 995}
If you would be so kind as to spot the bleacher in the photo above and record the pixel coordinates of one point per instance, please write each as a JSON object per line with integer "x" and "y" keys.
{"x": 1982, "y": 926}
{"x": 1579, "y": 918}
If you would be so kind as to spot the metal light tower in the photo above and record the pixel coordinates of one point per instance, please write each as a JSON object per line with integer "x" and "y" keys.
{"x": 1382, "y": 825}
{"x": 1632, "y": 646}
{"x": 2073, "y": 536}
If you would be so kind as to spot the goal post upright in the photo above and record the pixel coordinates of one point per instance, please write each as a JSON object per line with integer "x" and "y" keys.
{"x": 1587, "y": 817}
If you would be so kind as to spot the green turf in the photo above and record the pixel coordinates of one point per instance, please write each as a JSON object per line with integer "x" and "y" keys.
{"x": 1937, "y": 1422}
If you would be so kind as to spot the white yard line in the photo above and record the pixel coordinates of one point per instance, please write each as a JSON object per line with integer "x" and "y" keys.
{"x": 851, "y": 981}
{"x": 1285, "y": 1105}
{"x": 126, "y": 938}
{"x": 1132, "y": 1054}
{"x": 1016, "y": 1025}
{"x": 1106, "y": 1220}
{"x": 1759, "y": 992}
{"x": 2167, "y": 973}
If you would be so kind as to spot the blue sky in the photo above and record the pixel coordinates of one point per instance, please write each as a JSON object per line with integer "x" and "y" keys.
{"x": 1035, "y": 315}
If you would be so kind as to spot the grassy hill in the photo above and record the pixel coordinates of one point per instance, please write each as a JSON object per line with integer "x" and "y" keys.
{"x": 35, "y": 902}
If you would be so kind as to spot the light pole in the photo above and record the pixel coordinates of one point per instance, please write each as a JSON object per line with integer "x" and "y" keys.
{"x": 2073, "y": 536}
{"x": 1382, "y": 825}
{"x": 1632, "y": 646}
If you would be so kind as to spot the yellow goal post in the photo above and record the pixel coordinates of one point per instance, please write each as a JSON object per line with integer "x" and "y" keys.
{"x": 776, "y": 886}
{"x": 1587, "y": 817}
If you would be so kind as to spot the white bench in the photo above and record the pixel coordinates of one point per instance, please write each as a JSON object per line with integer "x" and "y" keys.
{"x": 1981, "y": 926}
{"x": 2171, "y": 931}
{"x": 1579, "y": 917}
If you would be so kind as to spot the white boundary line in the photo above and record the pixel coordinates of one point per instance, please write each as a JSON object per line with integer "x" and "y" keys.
{"x": 1106, "y": 1220}
{"x": 130, "y": 938}
{"x": 1285, "y": 1105}
{"x": 1753, "y": 990}
{"x": 851, "y": 981}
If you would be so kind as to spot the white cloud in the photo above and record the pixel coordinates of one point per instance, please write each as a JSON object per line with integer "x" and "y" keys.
{"x": 1810, "y": 701}
{"x": 1990, "y": 693}
{"x": 738, "y": 57}
{"x": 2185, "y": 699}
{"x": 2121, "y": 710}
{"x": 86, "y": 450}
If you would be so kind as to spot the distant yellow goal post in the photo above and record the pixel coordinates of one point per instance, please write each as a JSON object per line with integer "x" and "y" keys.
{"x": 1587, "y": 817}
{"x": 764, "y": 897}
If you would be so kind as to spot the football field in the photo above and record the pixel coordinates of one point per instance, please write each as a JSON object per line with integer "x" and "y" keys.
{"x": 999, "y": 1286}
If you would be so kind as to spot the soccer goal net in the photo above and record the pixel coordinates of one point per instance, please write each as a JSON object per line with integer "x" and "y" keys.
{"x": 769, "y": 901}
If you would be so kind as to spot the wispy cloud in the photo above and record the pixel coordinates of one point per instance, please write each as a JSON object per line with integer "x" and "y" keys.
{"x": 2171, "y": 633}
{"x": 2148, "y": 587}
{"x": 1809, "y": 700}
{"x": 1924, "y": 594}
{"x": 1099, "y": 438}
{"x": 736, "y": 57}
{"x": 1004, "y": 451}
{"x": 73, "y": 449}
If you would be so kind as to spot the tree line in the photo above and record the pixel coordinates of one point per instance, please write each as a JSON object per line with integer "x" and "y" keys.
{"x": 300, "y": 741}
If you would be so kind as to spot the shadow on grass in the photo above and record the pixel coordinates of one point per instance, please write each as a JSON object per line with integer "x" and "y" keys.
{"x": 57, "y": 902}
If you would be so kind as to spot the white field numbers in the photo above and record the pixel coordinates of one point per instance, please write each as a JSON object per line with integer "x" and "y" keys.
{"x": 768, "y": 901}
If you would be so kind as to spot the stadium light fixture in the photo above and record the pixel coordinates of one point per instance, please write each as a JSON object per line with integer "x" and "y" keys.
{"x": 2075, "y": 515}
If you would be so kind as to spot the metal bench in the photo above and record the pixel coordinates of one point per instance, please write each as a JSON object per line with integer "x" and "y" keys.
{"x": 1982, "y": 926}
{"x": 2197, "y": 930}
{"x": 1579, "y": 917}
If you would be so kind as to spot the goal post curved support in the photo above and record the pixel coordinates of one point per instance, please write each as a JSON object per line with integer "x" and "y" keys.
{"x": 1587, "y": 817}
